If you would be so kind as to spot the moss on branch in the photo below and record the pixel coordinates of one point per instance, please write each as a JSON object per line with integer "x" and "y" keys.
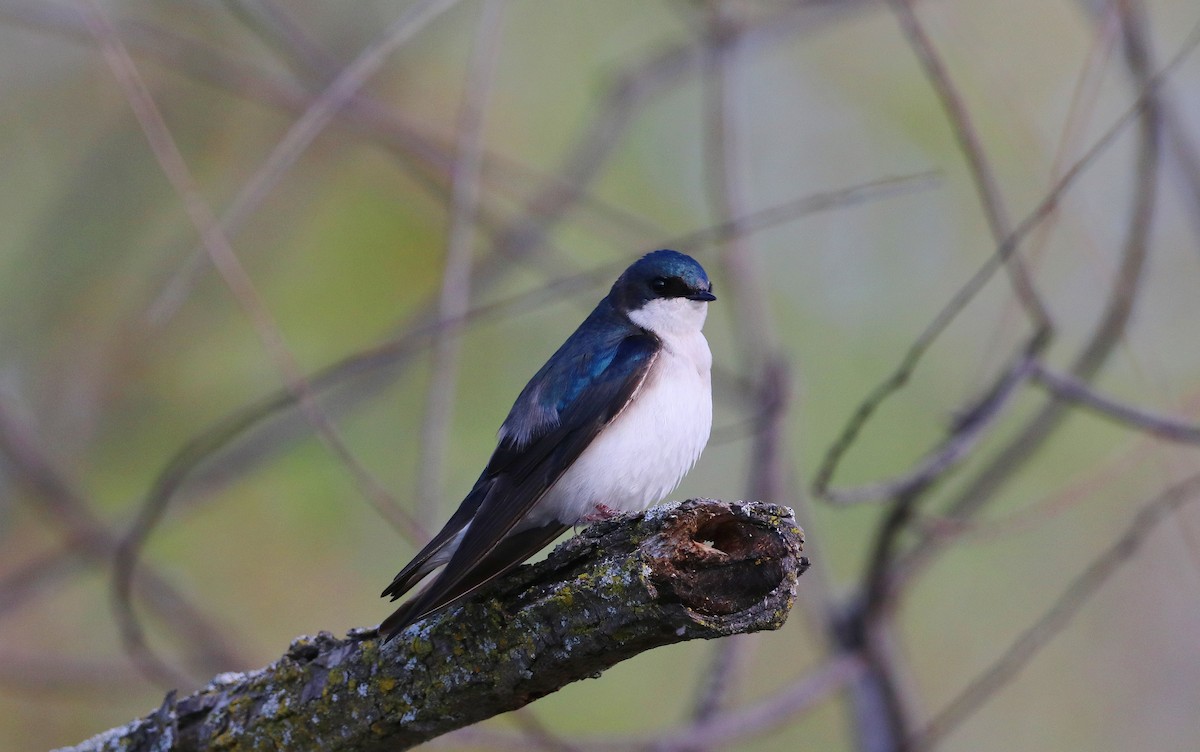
{"x": 699, "y": 569}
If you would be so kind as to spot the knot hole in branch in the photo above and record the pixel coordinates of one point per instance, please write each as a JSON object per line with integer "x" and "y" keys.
{"x": 716, "y": 562}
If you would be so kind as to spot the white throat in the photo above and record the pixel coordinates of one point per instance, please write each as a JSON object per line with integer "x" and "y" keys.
{"x": 671, "y": 318}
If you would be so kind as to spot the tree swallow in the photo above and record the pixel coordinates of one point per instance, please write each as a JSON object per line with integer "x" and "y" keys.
{"x": 610, "y": 424}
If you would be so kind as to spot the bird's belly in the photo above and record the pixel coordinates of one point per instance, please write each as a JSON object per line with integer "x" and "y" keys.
{"x": 642, "y": 455}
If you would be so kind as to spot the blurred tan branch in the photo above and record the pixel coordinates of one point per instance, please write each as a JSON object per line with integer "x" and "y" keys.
{"x": 224, "y": 258}
{"x": 986, "y": 184}
{"x": 87, "y": 536}
{"x": 1071, "y": 389}
{"x": 1005, "y": 462}
{"x": 454, "y": 299}
{"x": 1051, "y": 623}
{"x": 908, "y": 364}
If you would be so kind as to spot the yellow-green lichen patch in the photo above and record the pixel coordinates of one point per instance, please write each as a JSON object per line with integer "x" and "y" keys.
{"x": 336, "y": 678}
{"x": 420, "y": 646}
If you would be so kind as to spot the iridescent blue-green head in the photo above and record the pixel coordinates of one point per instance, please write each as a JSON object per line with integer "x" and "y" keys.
{"x": 663, "y": 281}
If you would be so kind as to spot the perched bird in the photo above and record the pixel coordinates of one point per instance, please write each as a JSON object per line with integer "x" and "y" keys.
{"x": 610, "y": 424}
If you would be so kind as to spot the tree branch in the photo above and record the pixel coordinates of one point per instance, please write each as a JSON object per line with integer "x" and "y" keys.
{"x": 696, "y": 569}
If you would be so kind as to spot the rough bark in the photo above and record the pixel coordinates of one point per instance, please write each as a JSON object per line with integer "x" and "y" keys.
{"x": 696, "y": 569}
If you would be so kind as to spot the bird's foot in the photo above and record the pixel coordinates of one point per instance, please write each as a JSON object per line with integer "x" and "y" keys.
{"x": 603, "y": 512}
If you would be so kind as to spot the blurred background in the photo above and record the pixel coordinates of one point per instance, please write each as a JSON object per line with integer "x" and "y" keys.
{"x": 408, "y": 206}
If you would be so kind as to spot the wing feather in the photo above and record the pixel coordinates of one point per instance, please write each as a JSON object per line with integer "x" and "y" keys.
{"x": 518, "y": 476}
{"x": 420, "y": 565}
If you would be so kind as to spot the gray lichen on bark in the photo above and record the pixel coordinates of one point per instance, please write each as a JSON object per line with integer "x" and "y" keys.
{"x": 696, "y": 569}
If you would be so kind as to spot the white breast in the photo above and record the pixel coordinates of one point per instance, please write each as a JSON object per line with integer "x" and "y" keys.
{"x": 642, "y": 455}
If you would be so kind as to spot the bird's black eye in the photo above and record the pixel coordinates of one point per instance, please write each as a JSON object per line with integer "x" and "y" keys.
{"x": 669, "y": 287}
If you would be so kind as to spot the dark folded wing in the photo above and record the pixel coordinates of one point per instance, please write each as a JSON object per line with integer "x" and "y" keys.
{"x": 508, "y": 554}
{"x": 419, "y": 566}
{"x": 519, "y": 474}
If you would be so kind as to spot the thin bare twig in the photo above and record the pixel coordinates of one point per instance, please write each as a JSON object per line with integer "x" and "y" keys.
{"x": 275, "y": 26}
{"x": 984, "y": 178}
{"x": 900, "y": 376}
{"x": 1009, "y": 459}
{"x": 38, "y": 576}
{"x": 728, "y": 727}
{"x": 537, "y": 735}
{"x": 305, "y": 130}
{"x": 422, "y": 154}
{"x": 455, "y": 297}
{"x": 87, "y": 536}
{"x": 57, "y": 675}
{"x": 1077, "y": 391}
{"x": 429, "y": 160}
{"x": 966, "y": 433}
{"x": 1075, "y": 492}
{"x": 767, "y": 479}
{"x": 741, "y": 292}
{"x": 816, "y": 203}
{"x": 1022, "y": 650}
{"x": 1084, "y": 97}
{"x": 743, "y": 723}
{"x": 1178, "y": 137}
{"x": 882, "y": 710}
{"x": 628, "y": 92}
{"x": 889, "y": 570}
{"x": 1015, "y": 453}
{"x": 740, "y": 276}
{"x": 223, "y": 257}
{"x": 882, "y": 577}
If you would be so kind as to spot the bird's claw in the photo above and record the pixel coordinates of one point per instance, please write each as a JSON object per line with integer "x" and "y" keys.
{"x": 603, "y": 512}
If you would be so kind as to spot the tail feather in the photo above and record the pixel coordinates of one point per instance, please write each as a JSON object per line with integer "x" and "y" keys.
{"x": 434, "y": 554}
{"x": 430, "y": 558}
{"x": 511, "y": 552}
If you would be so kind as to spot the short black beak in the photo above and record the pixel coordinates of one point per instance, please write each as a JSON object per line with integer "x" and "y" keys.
{"x": 704, "y": 295}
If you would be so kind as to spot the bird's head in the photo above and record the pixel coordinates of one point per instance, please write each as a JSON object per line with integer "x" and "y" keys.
{"x": 665, "y": 292}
